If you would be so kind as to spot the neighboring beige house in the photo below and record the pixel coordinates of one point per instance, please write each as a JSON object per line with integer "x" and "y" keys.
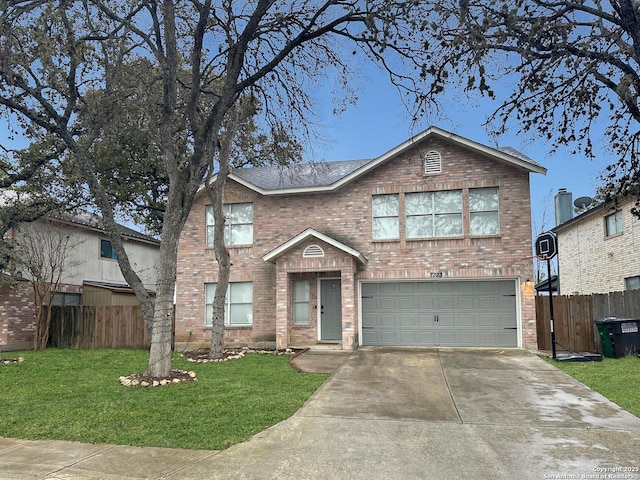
{"x": 92, "y": 278}
{"x": 598, "y": 250}
{"x": 96, "y": 274}
{"x": 427, "y": 244}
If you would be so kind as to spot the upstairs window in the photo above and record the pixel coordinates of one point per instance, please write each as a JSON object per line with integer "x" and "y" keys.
{"x": 432, "y": 163}
{"x": 434, "y": 214}
{"x": 106, "y": 250}
{"x": 386, "y": 224}
{"x": 613, "y": 223}
{"x": 238, "y": 228}
{"x": 484, "y": 215}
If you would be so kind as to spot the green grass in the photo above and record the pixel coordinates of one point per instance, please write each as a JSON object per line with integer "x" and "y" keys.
{"x": 75, "y": 395}
{"x": 618, "y": 379}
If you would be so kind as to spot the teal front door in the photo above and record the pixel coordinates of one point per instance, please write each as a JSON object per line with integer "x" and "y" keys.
{"x": 330, "y": 310}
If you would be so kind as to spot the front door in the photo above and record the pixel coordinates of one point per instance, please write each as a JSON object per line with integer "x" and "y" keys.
{"x": 330, "y": 310}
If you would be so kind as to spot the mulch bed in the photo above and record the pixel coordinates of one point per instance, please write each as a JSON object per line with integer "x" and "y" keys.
{"x": 11, "y": 361}
{"x": 196, "y": 356}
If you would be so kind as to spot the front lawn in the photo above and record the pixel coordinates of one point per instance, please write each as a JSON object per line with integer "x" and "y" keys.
{"x": 75, "y": 395}
{"x": 618, "y": 379}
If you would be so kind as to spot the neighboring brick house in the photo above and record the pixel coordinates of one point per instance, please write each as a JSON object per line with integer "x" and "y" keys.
{"x": 598, "y": 250}
{"x": 17, "y": 315}
{"x": 427, "y": 244}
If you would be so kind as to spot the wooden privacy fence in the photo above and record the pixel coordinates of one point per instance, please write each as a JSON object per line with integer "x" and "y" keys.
{"x": 575, "y": 314}
{"x": 89, "y": 327}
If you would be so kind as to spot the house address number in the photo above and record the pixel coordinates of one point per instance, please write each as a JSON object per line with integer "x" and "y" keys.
{"x": 436, "y": 275}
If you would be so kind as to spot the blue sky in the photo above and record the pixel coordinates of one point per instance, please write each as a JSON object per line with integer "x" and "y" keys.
{"x": 379, "y": 122}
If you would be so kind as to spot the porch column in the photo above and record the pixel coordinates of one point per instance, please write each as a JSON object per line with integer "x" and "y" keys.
{"x": 282, "y": 307}
{"x": 349, "y": 309}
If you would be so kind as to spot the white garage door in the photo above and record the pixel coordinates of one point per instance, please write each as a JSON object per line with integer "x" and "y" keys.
{"x": 460, "y": 313}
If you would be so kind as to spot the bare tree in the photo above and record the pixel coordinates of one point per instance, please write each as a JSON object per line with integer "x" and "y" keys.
{"x": 44, "y": 250}
{"x": 273, "y": 50}
{"x": 575, "y": 66}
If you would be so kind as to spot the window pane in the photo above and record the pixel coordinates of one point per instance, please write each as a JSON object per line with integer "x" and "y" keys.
{"x": 419, "y": 203}
{"x": 385, "y": 205}
{"x": 614, "y": 223}
{"x": 483, "y": 199}
{"x": 209, "y": 235}
{"x": 240, "y": 213}
{"x": 209, "y": 292}
{"x": 386, "y": 228}
{"x": 209, "y": 215}
{"x": 301, "y": 313}
{"x": 241, "y": 234}
{"x": 301, "y": 302}
{"x": 420, "y": 226}
{"x": 208, "y": 314}
{"x": 241, "y": 314}
{"x": 448, "y": 201}
{"x": 486, "y": 223}
{"x": 106, "y": 249}
{"x": 632, "y": 283}
{"x": 238, "y": 228}
{"x": 301, "y": 291}
{"x": 241, "y": 292}
{"x": 448, "y": 225}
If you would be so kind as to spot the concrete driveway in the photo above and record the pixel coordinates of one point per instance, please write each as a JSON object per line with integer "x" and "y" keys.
{"x": 394, "y": 414}
{"x": 441, "y": 413}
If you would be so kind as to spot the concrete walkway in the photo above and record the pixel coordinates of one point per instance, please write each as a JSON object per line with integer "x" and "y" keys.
{"x": 394, "y": 413}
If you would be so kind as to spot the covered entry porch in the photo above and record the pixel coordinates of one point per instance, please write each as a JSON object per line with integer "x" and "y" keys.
{"x": 316, "y": 293}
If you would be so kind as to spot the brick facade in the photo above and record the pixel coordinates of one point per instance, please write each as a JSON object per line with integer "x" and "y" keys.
{"x": 18, "y": 311}
{"x": 345, "y": 215}
{"x": 589, "y": 261}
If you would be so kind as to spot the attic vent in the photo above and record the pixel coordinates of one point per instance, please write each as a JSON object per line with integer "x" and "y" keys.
{"x": 432, "y": 162}
{"x": 313, "y": 251}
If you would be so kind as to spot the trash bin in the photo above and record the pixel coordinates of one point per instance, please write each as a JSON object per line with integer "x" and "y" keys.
{"x": 619, "y": 336}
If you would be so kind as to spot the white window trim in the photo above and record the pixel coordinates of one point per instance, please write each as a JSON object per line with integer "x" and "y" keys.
{"x": 396, "y": 216}
{"x": 618, "y": 222}
{"x": 301, "y": 302}
{"x": 433, "y": 215}
{"x": 227, "y": 304}
{"x": 497, "y": 211}
{"x": 227, "y": 227}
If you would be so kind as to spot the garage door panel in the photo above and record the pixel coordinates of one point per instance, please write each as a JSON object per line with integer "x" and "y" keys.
{"x": 445, "y": 287}
{"x": 426, "y": 303}
{"x": 387, "y": 320}
{"x": 445, "y": 303}
{"x": 406, "y": 303}
{"x": 407, "y": 321}
{"x": 466, "y": 320}
{"x": 466, "y": 302}
{"x": 468, "y": 313}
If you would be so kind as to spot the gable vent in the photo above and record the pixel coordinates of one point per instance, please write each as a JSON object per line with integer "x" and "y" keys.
{"x": 432, "y": 162}
{"x": 313, "y": 251}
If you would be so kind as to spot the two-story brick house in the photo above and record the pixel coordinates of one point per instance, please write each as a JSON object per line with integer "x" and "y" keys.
{"x": 427, "y": 244}
{"x": 597, "y": 250}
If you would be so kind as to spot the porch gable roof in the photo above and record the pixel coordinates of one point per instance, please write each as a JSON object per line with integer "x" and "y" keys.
{"x": 308, "y": 233}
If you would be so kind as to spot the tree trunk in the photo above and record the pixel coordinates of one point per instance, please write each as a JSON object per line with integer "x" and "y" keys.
{"x": 216, "y": 195}
{"x": 162, "y": 326}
